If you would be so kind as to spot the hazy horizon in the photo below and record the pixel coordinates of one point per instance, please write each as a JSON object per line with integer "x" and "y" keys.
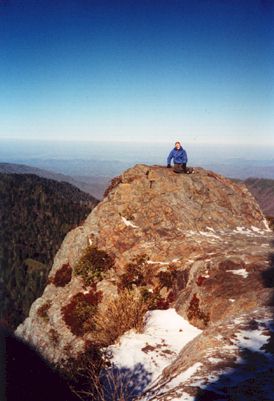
{"x": 123, "y": 151}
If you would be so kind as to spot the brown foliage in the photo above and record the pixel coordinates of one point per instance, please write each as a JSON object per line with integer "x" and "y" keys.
{"x": 79, "y": 313}
{"x": 42, "y": 311}
{"x": 154, "y": 300}
{"x": 62, "y": 276}
{"x": 93, "y": 263}
{"x": 122, "y": 313}
{"x": 136, "y": 273}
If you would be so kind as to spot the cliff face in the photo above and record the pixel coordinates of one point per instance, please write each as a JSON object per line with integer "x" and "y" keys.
{"x": 195, "y": 242}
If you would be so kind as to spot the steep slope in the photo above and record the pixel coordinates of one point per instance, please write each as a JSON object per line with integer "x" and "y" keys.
{"x": 263, "y": 191}
{"x": 198, "y": 242}
{"x": 35, "y": 214}
{"x": 93, "y": 185}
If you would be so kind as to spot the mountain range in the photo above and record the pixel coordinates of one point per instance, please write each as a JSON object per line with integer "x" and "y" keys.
{"x": 261, "y": 188}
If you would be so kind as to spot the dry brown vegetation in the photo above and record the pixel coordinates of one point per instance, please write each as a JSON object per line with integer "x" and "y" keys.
{"x": 121, "y": 314}
{"x": 42, "y": 311}
{"x": 79, "y": 313}
{"x": 62, "y": 276}
{"x": 104, "y": 384}
{"x": 92, "y": 265}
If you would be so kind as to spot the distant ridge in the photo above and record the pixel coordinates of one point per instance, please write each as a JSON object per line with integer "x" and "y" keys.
{"x": 263, "y": 191}
{"x": 94, "y": 186}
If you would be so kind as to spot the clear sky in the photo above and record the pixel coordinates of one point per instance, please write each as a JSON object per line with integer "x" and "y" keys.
{"x": 134, "y": 70}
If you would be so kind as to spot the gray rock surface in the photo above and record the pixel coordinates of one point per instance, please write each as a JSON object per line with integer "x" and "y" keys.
{"x": 199, "y": 242}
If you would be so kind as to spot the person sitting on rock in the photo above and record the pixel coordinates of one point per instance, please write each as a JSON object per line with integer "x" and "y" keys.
{"x": 179, "y": 156}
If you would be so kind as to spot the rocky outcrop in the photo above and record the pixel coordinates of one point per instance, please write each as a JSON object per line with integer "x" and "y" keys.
{"x": 198, "y": 242}
{"x": 230, "y": 296}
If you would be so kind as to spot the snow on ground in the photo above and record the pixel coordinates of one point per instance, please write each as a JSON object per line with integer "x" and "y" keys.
{"x": 151, "y": 262}
{"x": 266, "y": 225}
{"x": 239, "y": 272}
{"x": 209, "y": 234}
{"x": 165, "y": 334}
{"x": 253, "y": 231}
{"x": 128, "y": 223}
{"x": 183, "y": 376}
{"x": 154, "y": 262}
{"x": 257, "y": 230}
{"x": 210, "y": 229}
{"x": 253, "y": 366}
{"x": 252, "y": 340}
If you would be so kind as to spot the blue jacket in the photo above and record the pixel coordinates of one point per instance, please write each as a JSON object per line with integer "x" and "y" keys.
{"x": 178, "y": 156}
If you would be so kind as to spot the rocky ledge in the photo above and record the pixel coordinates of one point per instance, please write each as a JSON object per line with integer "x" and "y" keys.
{"x": 160, "y": 240}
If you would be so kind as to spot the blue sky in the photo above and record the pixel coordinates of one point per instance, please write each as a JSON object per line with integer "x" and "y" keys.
{"x": 198, "y": 70}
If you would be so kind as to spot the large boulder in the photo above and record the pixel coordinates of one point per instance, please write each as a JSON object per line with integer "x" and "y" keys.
{"x": 198, "y": 242}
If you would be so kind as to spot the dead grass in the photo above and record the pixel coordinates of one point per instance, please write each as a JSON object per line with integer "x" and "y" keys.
{"x": 121, "y": 314}
{"x": 105, "y": 384}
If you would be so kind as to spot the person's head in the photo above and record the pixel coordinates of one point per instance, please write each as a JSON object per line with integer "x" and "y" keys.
{"x": 177, "y": 145}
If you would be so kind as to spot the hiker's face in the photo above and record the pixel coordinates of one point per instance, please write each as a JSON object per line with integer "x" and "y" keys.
{"x": 178, "y": 145}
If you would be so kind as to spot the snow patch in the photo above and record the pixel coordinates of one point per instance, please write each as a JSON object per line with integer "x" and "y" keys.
{"x": 165, "y": 334}
{"x": 151, "y": 262}
{"x": 258, "y": 230}
{"x": 254, "y": 231}
{"x": 128, "y": 223}
{"x": 239, "y": 272}
{"x": 210, "y": 229}
{"x": 242, "y": 230}
{"x": 266, "y": 225}
{"x": 183, "y": 376}
{"x": 211, "y": 359}
{"x": 219, "y": 337}
{"x": 154, "y": 262}
{"x": 209, "y": 234}
{"x": 252, "y": 340}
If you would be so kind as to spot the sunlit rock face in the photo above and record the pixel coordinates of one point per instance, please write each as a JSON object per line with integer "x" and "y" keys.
{"x": 197, "y": 242}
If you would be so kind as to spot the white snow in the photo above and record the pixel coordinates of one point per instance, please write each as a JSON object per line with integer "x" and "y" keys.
{"x": 155, "y": 262}
{"x": 257, "y": 230}
{"x": 151, "y": 262}
{"x": 219, "y": 337}
{"x": 266, "y": 225}
{"x": 128, "y": 223}
{"x": 212, "y": 359}
{"x": 208, "y": 234}
{"x": 165, "y": 334}
{"x": 252, "y": 340}
{"x": 239, "y": 272}
{"x": 242, "y": 230}
{"x": 253, "y": 231}
{"x": 183, "y": 376}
